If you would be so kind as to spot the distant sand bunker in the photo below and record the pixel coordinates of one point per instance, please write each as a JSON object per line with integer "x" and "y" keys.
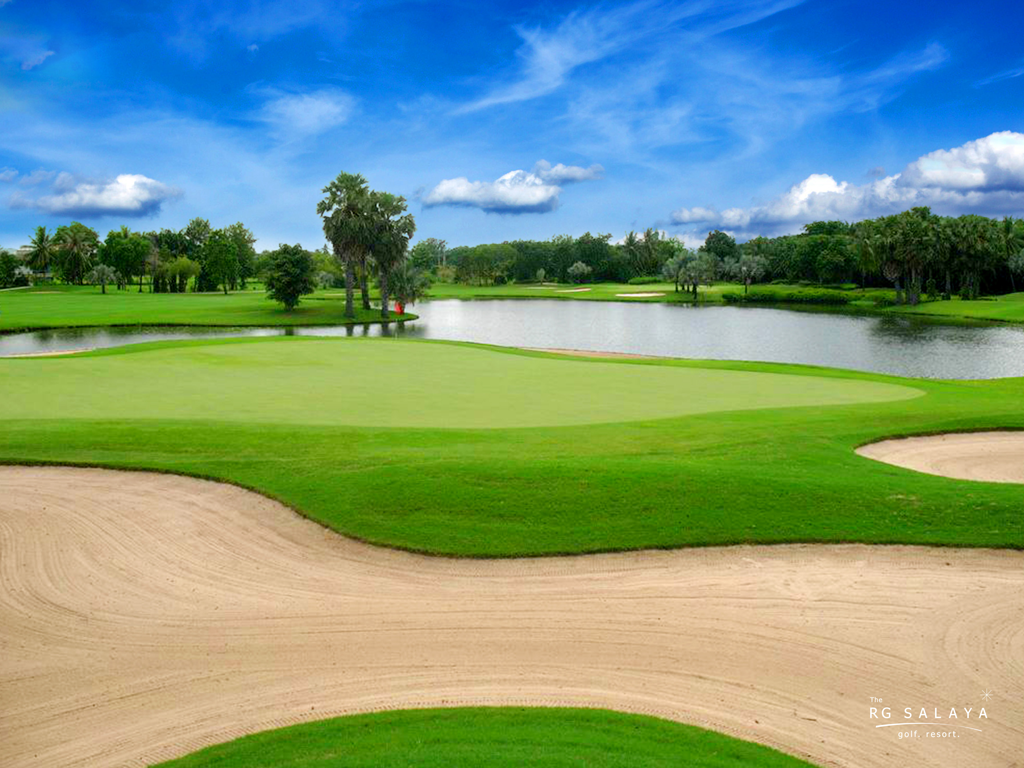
{"x": 638, "y": 295}
{"x": 996, "y": 457}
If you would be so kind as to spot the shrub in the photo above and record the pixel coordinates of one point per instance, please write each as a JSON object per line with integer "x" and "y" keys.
{"x": 644, "y": 280}
{"x": 816, "y": 296}
{"x": 578, "y": 272}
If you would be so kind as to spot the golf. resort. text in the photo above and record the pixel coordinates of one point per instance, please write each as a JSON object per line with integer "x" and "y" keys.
{"x": 936, "y": 717}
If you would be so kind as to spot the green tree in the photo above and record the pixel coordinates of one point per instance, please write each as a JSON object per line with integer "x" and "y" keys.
{"x": 290, "y": 274}
{"x": 429, "y": 254}
{"x": 579, "y": 272}
{"x": 1016, "y": 264}
{"x": 221, "y": 265}
{"x": 390, "y": 230}
{"x": 102, "y": 274}
{"x": 42, "y": 251}
{"x": 76, "y": 248}
{"x": 409, "y": 283}
{"x": 345, "y": 211}
{"x": 244, "y": 253}
{"x": 1011, "y": 238}
{"x": 126, "y": 252}
{"x": 676, "y": 269}
{"x": 720, "y": 245}
{"x": 8, "y": 268}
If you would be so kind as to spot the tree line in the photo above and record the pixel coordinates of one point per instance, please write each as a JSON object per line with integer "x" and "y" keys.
{"x": 198, "y": 256}
{"x": 914, "y": 252}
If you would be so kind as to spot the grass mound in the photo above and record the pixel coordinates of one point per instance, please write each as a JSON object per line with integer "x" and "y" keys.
{"x": 493, "y": 737}
{"x": 394, "y": 453}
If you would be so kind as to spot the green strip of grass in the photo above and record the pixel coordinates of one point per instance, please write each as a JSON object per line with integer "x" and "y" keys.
{"x": 714, "y": 478}
{"x": 503, "y": 737}
{"x": 81, "y": 306}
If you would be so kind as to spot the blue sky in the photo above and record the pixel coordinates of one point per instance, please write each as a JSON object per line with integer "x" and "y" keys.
{"x": 503, "y": 121}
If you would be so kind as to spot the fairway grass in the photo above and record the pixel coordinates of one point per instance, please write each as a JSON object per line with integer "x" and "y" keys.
{"x": 82, "y": 306}
{"x": 395, "y": 383}
{"x": 651, "y": 474}
{"x": 507, "y": 737}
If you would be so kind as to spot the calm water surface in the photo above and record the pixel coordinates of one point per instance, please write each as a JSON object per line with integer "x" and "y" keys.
{"x": 903, "y": 346}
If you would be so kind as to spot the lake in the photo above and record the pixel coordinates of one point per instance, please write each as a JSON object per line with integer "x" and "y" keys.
{"x": 906, "y": 346}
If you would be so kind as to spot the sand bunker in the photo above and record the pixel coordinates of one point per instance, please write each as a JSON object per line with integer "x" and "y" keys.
{"x": 996, "y": 457}
{"x": 58, "y": 353}
{"x": 143, "y": 616}
{"x": 573, "y": 290}
{"x": 638, "y": 295}
{"x": 593, "y": 353}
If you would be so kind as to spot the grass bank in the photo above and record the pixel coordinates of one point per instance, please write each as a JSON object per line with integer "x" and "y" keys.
{"x": 506, "y": 737}
{"x": 65, "y": 306}
{"x": 465, "y": 450}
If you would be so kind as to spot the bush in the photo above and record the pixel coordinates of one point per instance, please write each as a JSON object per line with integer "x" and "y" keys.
{"x": 578, "y": 272}
{"x": 644, "y": 280}
{"x": 814, "y": 296}
{"x": 446, "y": 274}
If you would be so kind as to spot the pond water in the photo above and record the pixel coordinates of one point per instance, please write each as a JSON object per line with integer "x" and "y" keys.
{"x": 898, "y": 345}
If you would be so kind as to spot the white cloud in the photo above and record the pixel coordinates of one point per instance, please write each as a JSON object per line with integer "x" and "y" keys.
{"x": 307, "y": 114}
{"x": 130, "y": 194}
{"x": 566, "y": 174}
{"x": 37, "y": 176}
{"x": 519, "y": 191}
{"x": 986, "y": 175}
{"x": 547, "y": 57}
{"x": 8, "y": 174}
{"x": 35, "y": 59}
{"x": 252, "y": 48}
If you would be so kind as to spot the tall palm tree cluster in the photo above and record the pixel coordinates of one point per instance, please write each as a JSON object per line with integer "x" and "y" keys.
{"x": 369, "y": 232}
{"x": 909, "y": 246}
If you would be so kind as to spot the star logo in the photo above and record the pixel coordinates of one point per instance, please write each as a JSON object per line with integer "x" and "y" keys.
{"x": 986, "y": 695}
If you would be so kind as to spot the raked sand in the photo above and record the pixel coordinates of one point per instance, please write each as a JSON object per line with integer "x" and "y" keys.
{"x": 996, "y": 457}
{"x": 144, "y": 615}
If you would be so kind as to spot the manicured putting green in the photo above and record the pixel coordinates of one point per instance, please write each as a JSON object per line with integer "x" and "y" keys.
{"x": 394, "y": 383}
{"x": 508, "y": 737}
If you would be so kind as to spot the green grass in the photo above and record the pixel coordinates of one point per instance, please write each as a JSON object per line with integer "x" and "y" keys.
{"x": 459, "y": 470}
{"x": 62, "y": 306}
{"x": 397, "y": 384}
{"x": 1005, "y": 309}
{"x": 507, "y": 737}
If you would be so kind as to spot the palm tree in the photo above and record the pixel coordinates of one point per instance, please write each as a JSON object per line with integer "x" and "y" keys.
{"x": 1011, "y": 239}
{"x": 390, "y": 230}
{"x": 102, "y": 274}
{"x": 43, "y": 249}
{"x": 344, "y": 211}
{"x": 77, "y": 245}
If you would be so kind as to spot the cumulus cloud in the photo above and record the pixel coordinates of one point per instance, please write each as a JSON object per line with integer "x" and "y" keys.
{"x": 307, "y": 114}
{"x": 986, "y": 175}
{"x": 8, "y": 174}
{"x": 518, "y": 191}
{"x": 130, "y": 194}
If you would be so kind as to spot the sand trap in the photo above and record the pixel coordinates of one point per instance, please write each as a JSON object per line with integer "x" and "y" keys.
{"x": 143, "y": 616}
{"x": 573, "y": 290}
{"x": 638, "y": 295}
{"x": 594, "y": 353}
{"x": 996, "y": 457}
{"x": 48, "y": 354}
